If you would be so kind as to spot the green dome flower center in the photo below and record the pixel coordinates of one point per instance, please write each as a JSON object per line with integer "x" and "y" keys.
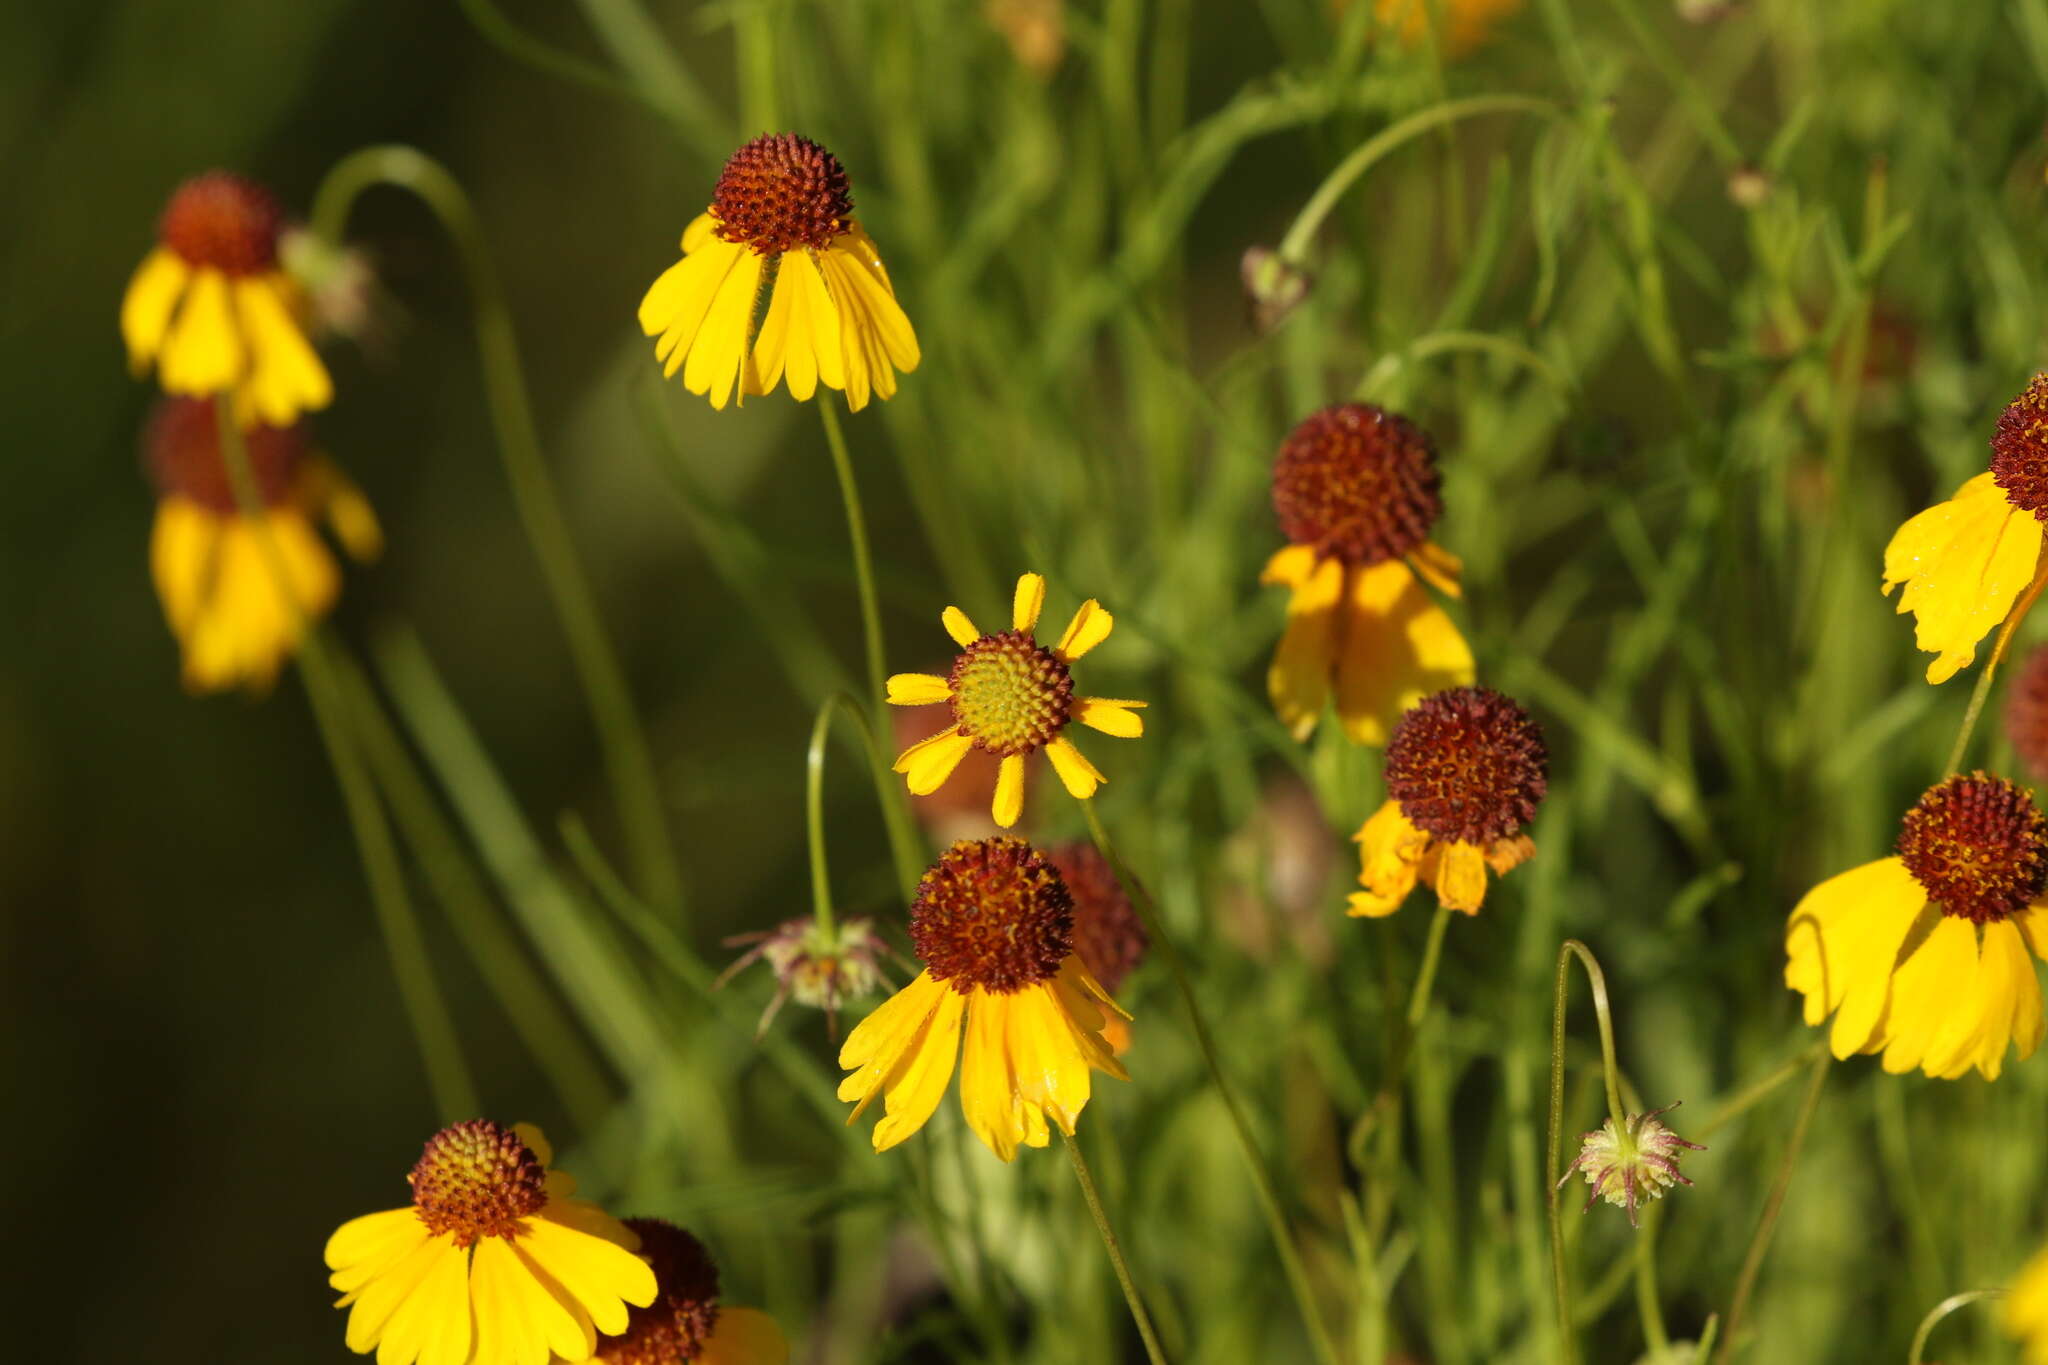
{"x": 1010, "y": 694}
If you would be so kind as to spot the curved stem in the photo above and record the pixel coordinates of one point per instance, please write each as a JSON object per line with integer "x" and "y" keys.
{"x": 628, "y": 761}
{"x": 903, "y": 846}
{"x": 1262, "y": 1182}
{"x": 1425, "y": 976}
{"x": 1983, "y": 688}
{"x": 1116, "y": 1255}
{"x": 1753, "y": 1260}
{"x": 814, "y": 815}
{"x": 1942, "y": 1310}
{"x": 433, "y": 1027}
{"x": 863, "y": 561}
{"x": 1567, "y": 1343}
{"x": 516, "y": 43}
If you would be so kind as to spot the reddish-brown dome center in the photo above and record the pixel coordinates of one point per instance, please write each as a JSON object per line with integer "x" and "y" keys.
{"x": 2026, "y": 712}
{"x": 1978, "y": 846}
{"x": 780, "y": 192}
{"x": 2019, "y": 449}
{"x": 181, "y": 450}
{"x": 673, "y": 1329}
{"x": 477, "y": 1179}
{"x": 1467, "y": 765}
{"x": 223, "y": 221}
{"x": 1357, "y": 483}
{"x": 992, "y": 914}
{"x": 1109, "y": 938}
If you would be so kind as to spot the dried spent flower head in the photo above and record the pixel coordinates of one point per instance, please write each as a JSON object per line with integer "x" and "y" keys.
{"x": 819, "y": 968}
{"x": 1109, "y": 937}
{"x": 1273, "y": 286}
{"x": 1357, "y": 483}
{"x": 781, "y": 192}
{"x": 1630, "y": 1163}
{"x": 477, "y": 1179}
{"x": 2026, "y": 712}
{"x": 993, "y": 915}
{"x": 674, "y": 1328}
{"x": 1467, "y": 764}
{"x": 1978, "y": 846}
{"x": 2019, "y": 449}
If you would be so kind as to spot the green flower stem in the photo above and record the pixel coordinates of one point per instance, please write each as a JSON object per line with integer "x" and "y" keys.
{"x": 863, "y": 561}
{"x": 1567, "y": 1342}
{"x": 447, "y": 1074}
{"x": 1425, "y": 976}
{"x": 1753, "y": 1260}
{"x": 1915, "y": 1355}
{"x": 1262, "y": 1182}
{"x": 1116, "y": 1255}
{"x": 1648, "y": 1308}
{"x": 902, "y": 839}
{"x": 1983, "y": 689}
{"x": 628, "y": 761}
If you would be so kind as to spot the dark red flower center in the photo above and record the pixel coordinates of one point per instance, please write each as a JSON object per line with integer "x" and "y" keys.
{"x": 992, "y": 914}
{"x": 477, "y": 1179}
{"x": 1467, "y": 765}
{"x": 1109, "y": 937}
{"x": 1978, "y": 846}
{"x": 1358, "y": 483}
{"x": 2019, "y": 449}
{"x": 2026, "y": 712}
{"x": 780, "y": 192}
{"x": 673, "y": 1329}
{"x": 181, "y": 450}
{"x": 223, "y": 221}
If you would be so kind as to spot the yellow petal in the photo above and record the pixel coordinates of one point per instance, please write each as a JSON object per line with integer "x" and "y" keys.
{"x": 927, "y": 764}
{"x": 723, "y": 342}
{"x": 1438, "y": 567}
{"x": 365, "y": 1248}
{"x": 1935, "y": 982}
{"x": 1299, "y": 679}
{"x": 676, "y": 304}
{"x": 873, "y": 1048}
{"x": 744, "y": 1336}
{"x": 1398, "y": 647}
{"x": 1028, "y": 602}
{"x": 1089, "y": 628}
{"x": 601, "y": 1275}
{"x": 1923, "y": 537}
{"x": 1962, "y": 593}
{"x": 325, "y": 490}
{"x": 1290, "y": 566}
{"x": 536, "y": 1142}
{"x": 1009, "y": 800}
{"x": 772, "y": 342}
{"x": 377, "y": 1300}
{"x": 698, "y": 231}
{"x": 988, "y": 1095}
{"x": 914, "y": 1087}
{"x": 147, "y": 307}
{"x": 877, "y": 339}
{"x": 431, "y": 1324}
{"x": 959, "y": 627}
{"x": 1390, "y": 849}
{"x": 817, "y": 348}
{"x": 2012, "y": 1008}
{"x": 1075, "y": 771}
{"x": 286, "y": 377}
{"x": 1052, "y": 1072}
{"x": 1840, "y": 944}
{"x": 183, "y": 551}
{"x": 203, "y": 352}
{"x": 519, "y": 1321}
{"x": 2025, "y": 1310}
{"x": 1111, "y": 715}
{"x": 918, "y": 689}
{"x": 1461, "y": 876}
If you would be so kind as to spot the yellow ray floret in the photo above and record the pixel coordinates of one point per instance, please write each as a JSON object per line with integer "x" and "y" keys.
{"x": 207, "y": 332}
{"x": 1963, "y": 562}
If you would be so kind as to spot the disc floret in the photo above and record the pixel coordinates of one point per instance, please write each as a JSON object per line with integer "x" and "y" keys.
{"x": 223, "y": 221}
{"x": 1467, "y": 765}
{"x": 477, "y": 1179}
{"x": 1357, "y": 483}
{"x": 2019, "y": 449}
{"x": 1011, "y": 695}
{"x": 992, "y": 915}
{"x": 1978, "y": 846}
{"x": 781, "y": 192}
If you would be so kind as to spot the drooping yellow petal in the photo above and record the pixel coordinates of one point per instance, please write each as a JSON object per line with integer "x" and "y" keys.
{"x": 988, "y": 1091}
{"x": 676, "y": 304}
{"x": 1111, "y": 715}
{"x": 325, "y": 490}
{"x": 1438, "y": 567}
{"x": 600, "y": 1275}
{"x": 927, "y": 764}
{"x": 1299, "y": 679}
{"x": 518, "y": 1320}
{"x": 744, "y": 1336}
{"x": 800, "y": 333}
{"x": 1090, "y": 627}
{"x": 1936, "y": 981}
{"x": 959, "y": 627}
{"x": 151, "y": 300}
{"x": 1840, "y": 943}
{"x": 1074, "y": 769}
{"x": 536, "y": 1142}
{"x": 203, "y": 352}
{"x": 378, "y": 1299}
{"x": 871, "y": 1051}
{"x": 1398, "y": 647}
{"x": 183, "y": 550}
{"x": 698, "y": 231}
{"x": 246, "y": 627}
{"x": 1028, "y": 602}
{"x": 914, "y": 1087}
{"x": 724, "y": 343}
{"x": 1290, "y": 567}
{"x": 286, "y": 377}
{"x": 1051, "y": 1070}
{"x": 1924, "y": 537}
{"x": 431, "y": 1324}
{"x": 1390, "y": 849}
{"x": 1461, "y": 876}
{"x": 1959, "y": 588}
{"x": 918, "y": 689}
{"x": 2012, "y": 1001}
{"x": 2025, "y": 1310}
{"x": 364, "y": 1248}
{"x": 876, "y": 337}
{"x": 1009, "y": 799}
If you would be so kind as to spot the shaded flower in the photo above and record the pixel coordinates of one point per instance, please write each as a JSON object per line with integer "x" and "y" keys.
{"x": 686, "y": 1324}
{"x": 493, "y": 1261}
{"x": 1632, "y": 1162}
{"x": 820, "y": 968}
{"x": 779, "y": 242}
{"x": 1036, "y": 31}
{"x": 1355, "y": 490}
{"x": 2025, "y": 1311}
{"x": 1924, "y": 956}
{"x": 1965, "y": 561}
{"x": 1109, "y": 935}
{"x": 2026, "y": 712}
{"x": 1002, "y": 988}
{"x": 1010, "y": 697}
{"x": 213, "y": 311}
{"x": 214, "y": 573}
{"x": 1460, "y": 26}
{"x": 1466, "y": 770}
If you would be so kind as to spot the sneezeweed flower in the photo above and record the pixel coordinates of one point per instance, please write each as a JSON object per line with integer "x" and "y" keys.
{"x": 993, "y": 924}
{"x": 493, "y": 1261}
{"x": 1036, "y": 31}
{"x": 818, "y": 967}
{"x": 1924, "y": 956}
{"x": 1109, "y": 936}
{"x": 213, "y": 310}
{"x": 1466, "y": 770}
{"x": 1631, "y": 1162}
{"x": 214, "y": 572}
{"x": 686, "y": 1324}
{"x": 2025, "y": 1311}
{"x": 1966, "y": 561}
{"x": 1355, "y": 490}
{"x": 1010, "y": 697}
{"x": 2026, "y": 712}
{"x": 1460, "y": 26}
{"x": 780, "y": 231}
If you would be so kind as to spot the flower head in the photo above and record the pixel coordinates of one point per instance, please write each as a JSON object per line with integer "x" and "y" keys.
{"x": 820, "y": 968}
{"x": 214, "y": 573}
{"x": 1630, "y": 1162}
{"x": 686, "y": 1324}
{"x": 1965, "y": 562}
{"x": 993, "y": 923}
{"x": 1457, "y": 26}
{"x": 1924, "y": 956}
{"x": 1011, "y": 696}
{"x": 213, "y": 310}
{"x": 1355, "y": 491}
{"x": 491, "y": 1261}
{"x": 1466, "y": 770}
{"x": 780, "y": 230}
{"x": 1109, "y": 936}
{"x": 2026, "y": 712}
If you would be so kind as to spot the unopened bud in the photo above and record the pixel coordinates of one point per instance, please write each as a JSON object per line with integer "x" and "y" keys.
{"x": 1273, "y": 287}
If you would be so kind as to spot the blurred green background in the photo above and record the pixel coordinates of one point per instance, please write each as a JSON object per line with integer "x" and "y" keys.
{"x": 1672, "y": 521}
